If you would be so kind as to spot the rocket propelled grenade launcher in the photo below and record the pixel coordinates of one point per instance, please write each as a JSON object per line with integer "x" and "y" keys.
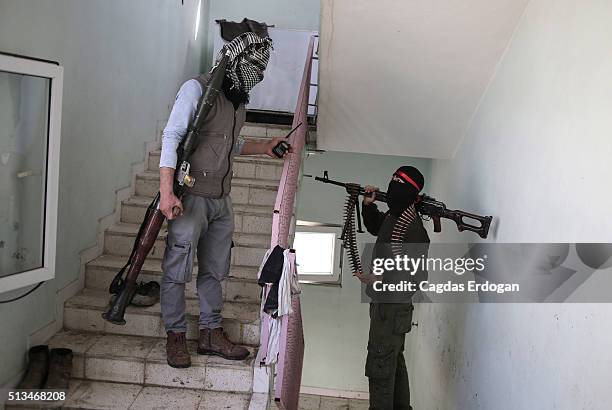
{"x": 426, "y": 206}
{"x": 123, "y": 289}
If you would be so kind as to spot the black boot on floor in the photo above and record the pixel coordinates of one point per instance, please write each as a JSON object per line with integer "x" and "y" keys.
{"x": 38, "y": 364}
{"x": 60, "y": 368}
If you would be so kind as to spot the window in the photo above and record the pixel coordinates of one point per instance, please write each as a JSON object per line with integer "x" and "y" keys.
{"x": 318, "y": 253}
{"x": 30, "y": 101}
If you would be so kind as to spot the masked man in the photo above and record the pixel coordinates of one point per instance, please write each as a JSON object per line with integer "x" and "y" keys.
{"x": 203, "y": 222}
{"x": 391, "y": 312}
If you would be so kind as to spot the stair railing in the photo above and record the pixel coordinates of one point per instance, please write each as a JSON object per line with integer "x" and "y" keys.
{"x": 291, "y": 344}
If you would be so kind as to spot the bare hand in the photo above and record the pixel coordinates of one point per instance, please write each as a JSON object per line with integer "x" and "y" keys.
{"x": 275, "y": 141}
{"x": 367, "y": 200}
{"x": 170, "y": 206}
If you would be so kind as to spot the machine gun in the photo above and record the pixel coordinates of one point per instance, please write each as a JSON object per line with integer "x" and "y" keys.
{"x": 426, "y": 206}
{"x": 123, "y": 289}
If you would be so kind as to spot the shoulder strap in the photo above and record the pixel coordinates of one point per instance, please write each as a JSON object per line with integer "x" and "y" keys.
{"x": 189, "y": 144}
{"x": 210, "y": 91}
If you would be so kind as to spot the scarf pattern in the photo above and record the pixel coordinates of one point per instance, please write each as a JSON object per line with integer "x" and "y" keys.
{"x": 249, "y": 55}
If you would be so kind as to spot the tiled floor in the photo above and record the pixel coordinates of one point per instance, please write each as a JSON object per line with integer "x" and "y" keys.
{"x": 118, "y": 396}
{"x": 313, "y": 402}
{"x": 100, "y": 395}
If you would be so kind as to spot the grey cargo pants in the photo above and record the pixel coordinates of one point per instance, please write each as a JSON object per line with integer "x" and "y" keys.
{"x": 206, "y": 227}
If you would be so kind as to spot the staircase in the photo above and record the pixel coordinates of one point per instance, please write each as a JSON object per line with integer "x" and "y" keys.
{"x": 123, "y": 367}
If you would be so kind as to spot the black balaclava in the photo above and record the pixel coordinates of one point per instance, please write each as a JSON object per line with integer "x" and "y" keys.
{"x": 401, "y": 195}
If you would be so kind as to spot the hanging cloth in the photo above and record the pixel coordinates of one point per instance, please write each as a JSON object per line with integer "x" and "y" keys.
{"x": 232, "y": 29}
{"x": 278, "y": 277}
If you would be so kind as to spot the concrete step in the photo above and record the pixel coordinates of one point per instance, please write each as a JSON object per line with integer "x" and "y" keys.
{"x": 248, "y": 250}
{"x": 259, "y": 130}
{"x": 247, "y": 218}
{"x": 256, "y": 167}
{"x": 83, "y": 312}
{"x": 92, "y": 395}
{"x": 244, "y": 191}
{"x": 240, "y": 286}
{"x": 142, "y": 361}
{"x": 153, "y": 266}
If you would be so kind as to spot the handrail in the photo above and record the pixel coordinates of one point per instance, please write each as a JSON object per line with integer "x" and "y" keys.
{"x": 285, "y": 198}
{"x": 291, "y": 344}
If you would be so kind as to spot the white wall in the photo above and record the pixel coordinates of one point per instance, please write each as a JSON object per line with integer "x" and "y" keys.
{"x": 404, "y": 77}
{"x": 335, "y": 321}
{"x": 537, "y": 156}
{"x": 124, "y": 61}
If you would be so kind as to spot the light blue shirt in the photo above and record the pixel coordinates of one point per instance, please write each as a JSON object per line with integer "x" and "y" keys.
{"x": 182, "y": 114}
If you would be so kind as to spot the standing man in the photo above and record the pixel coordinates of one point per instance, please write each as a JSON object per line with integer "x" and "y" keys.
{"x": 203, "y": 222}
{"x": 391, "y": 313}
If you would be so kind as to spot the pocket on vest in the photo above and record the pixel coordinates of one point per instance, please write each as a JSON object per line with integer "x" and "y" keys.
{"x": 211, "y": 154}
{"x": 380, "y": 361}
{"x": 178, "y": 262}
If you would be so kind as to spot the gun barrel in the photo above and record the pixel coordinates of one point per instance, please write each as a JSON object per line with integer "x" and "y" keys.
{"x": 380, "y": 195}
{"x": 330, "y": 181}
{"x": 144, "y": 243}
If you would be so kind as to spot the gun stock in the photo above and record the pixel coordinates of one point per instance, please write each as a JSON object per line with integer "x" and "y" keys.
{"x": 482, "y": 230}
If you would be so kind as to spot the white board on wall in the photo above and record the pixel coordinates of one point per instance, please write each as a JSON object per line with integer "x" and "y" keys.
{"x": 281, "y": 85}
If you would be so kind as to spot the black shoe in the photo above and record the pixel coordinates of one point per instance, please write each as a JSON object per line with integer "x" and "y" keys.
{"x": 147, "y": 294}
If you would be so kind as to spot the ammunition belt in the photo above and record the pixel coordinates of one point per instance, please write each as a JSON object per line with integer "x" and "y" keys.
{"x": 349, "y": 235}
{"x": 400, "y": 229}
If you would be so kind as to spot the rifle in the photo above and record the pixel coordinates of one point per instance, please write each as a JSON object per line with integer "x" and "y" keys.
{"x": 123, "y": 289}
{"x": 425, "y": 205}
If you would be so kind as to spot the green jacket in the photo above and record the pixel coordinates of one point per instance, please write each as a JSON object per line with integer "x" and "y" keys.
{"x": 416, "y": 245}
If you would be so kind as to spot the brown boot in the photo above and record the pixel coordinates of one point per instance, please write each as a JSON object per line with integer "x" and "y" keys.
{"x": 215, "y": 342}
{"x": 38, "y": 365}
{"x": 60, "y": 368}
{"x": 176, "y": 350}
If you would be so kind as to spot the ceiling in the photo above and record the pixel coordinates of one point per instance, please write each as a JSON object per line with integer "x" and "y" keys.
{"x": 404, "y": 77}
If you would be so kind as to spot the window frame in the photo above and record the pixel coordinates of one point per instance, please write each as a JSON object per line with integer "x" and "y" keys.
{"x": 336, "y": 277}
{"x": 16, "y": 64}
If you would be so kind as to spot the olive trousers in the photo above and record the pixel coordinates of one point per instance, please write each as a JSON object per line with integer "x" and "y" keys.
{"x": 385, "y": 366}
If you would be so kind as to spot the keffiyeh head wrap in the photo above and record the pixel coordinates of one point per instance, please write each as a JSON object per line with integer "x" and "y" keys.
{"x": 248, "y": 58}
